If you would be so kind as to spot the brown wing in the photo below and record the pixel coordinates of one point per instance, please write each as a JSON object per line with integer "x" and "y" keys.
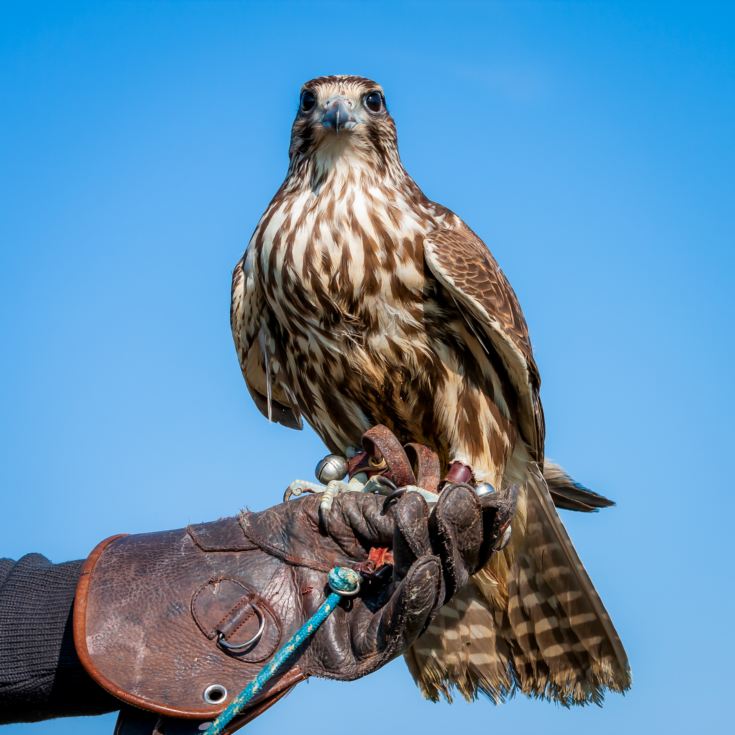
{"x": 246, "y": 320}
{"x": 464, "y": 266}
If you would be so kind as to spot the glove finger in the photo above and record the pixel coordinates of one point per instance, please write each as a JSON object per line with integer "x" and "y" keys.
{"x": 358, "y": 516}
{"x": 411, "y": 537}
{"x": 406, "y": 614}
{"x": 458, "y": 526}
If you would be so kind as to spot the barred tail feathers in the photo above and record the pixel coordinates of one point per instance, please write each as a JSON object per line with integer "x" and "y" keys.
{"x": 531, "y": 621}
{"x": 569, "y": 650}
{"x": 462, "y": 651}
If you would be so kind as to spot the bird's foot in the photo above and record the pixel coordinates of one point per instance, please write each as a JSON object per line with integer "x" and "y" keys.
{"x": 336, "y": 487}
{"x": 301, "y": 487}
{"x": 376, "y": 485}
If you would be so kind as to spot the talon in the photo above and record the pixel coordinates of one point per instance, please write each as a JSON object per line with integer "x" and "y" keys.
{"x": 505, "y": 507}
{"x": 379, "y": 485}
{"x": 504, "y": 539}
{"x": 291, "y": 493}
{"x": 299, "y": 487}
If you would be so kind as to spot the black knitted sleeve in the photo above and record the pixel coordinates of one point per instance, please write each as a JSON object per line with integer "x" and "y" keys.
{"x": 40, "y": 674}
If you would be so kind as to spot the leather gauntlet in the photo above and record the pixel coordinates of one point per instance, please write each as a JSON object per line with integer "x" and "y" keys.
{"x": 176, "y": 623}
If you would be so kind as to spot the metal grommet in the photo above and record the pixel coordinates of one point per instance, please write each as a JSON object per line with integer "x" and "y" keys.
{"x": 234, "y": 647}
{"x": 215, "y": 694}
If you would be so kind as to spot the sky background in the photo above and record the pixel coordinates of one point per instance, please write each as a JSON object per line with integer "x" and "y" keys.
{"x": 589, "y": 144}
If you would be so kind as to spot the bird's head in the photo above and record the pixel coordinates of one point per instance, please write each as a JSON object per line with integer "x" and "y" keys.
{"x": 341, "y": 118}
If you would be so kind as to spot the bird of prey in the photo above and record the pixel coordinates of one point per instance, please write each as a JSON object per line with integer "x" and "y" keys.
{"x": 359, "y": 301}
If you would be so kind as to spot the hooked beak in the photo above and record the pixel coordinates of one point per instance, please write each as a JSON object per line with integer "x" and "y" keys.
{"x": 338, "y": 114}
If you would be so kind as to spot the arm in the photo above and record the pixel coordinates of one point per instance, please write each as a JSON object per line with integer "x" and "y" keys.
{"x": 40, "y": 673}
{"x": 159, "y": 617}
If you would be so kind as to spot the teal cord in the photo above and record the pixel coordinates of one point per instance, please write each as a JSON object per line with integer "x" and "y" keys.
{"x": 344, "y": 582}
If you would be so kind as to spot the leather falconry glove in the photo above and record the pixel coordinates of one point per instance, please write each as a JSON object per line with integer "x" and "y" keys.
{"x": 176, "y": 623}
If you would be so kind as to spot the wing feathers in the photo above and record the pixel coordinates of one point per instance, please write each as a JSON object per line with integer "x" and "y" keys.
{"x": 570, "y": 495}
{"x": 465, "y": 267}
{"x": 273, "y": 399}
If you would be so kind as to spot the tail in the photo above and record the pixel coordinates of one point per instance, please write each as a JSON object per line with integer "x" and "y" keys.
{"x": 462, "y": 649}
{"x": 569, "y": 494}
{"x": 530, "y": 621}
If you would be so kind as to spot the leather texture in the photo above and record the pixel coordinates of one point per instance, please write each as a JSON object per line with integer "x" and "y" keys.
{"x": 412, "y": 464}
{"x": 143, "y": 632}
{"x": 134, "y": 721}
{"x": 155, "y": 613}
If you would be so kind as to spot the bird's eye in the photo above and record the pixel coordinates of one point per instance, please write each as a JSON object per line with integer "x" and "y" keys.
{"x": 374, "y": 101}
{"x": 308, "y": 100}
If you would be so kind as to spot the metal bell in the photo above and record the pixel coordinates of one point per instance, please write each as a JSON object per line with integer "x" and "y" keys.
{"x": 483, "y": 488}
{"x": 332, "y": 467}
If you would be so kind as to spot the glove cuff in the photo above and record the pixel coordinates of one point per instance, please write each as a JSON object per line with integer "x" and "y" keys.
{"x": 156, "y": 627}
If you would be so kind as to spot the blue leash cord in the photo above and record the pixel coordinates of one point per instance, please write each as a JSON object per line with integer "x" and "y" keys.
{"x": 344, "y": 582}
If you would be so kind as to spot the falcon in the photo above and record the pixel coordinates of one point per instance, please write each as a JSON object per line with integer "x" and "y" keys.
{"x": 359, "y": 301}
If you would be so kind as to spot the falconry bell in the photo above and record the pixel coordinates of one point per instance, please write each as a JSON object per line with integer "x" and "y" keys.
{"x": 332, "y": 467}
{"x": 484, "y": 488}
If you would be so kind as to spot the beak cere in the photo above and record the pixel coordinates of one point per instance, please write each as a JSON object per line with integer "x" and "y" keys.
{"x": 338, "y": 114}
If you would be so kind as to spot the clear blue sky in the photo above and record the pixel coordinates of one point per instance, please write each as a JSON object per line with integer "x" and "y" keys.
{"x": 591, "y": 146}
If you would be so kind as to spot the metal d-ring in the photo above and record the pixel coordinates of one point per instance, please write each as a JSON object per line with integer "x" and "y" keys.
{"x": 235, "y": 647}
{"x": 393, "y": 492}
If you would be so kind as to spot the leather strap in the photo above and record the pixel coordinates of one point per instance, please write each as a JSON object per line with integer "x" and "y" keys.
{"x": 414, "y": 464}
{"x": 458, "y": 474}
{"x": 382, "y": 444}
{"x": 426, "y": 466}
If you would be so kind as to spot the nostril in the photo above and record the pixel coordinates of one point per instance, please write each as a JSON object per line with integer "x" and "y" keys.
{"x": 339, "y": 102}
